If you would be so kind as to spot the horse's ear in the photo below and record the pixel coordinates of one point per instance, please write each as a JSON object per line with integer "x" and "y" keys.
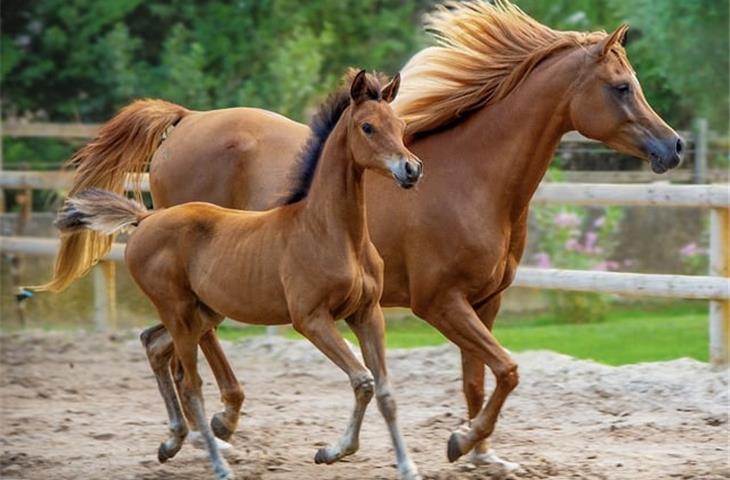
{"x": 359, "y": 87}
{"x": 391, "y": 89}
{"x": 618, "y": 36}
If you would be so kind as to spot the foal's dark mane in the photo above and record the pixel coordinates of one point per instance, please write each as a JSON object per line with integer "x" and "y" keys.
{"x": 322, "y": 124}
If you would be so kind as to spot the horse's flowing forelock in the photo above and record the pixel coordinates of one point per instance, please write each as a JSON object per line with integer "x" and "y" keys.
{"x": 484, "y": 52}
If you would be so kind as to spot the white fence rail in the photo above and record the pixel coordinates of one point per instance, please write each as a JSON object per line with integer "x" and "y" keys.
{"x": 715, "y": 287}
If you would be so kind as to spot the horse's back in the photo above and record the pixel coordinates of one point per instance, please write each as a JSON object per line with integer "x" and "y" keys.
{"x": 252, "y": 149}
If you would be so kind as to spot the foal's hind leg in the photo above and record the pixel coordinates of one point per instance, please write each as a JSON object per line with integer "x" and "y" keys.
{"x": 369, "y": 327}
{"x": 320, "y": 329}
{"x": 223, "y": 423}
{"x": 186, "y": 328}
{"x": 159, "y": 348}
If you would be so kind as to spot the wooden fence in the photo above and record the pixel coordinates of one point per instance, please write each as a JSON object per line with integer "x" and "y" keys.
{"x": 715, "y": 287}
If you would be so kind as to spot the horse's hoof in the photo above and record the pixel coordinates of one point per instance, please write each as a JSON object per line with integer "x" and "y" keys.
{"x": 491, "y": 458}
{"x": 224, "y": 475}
{"x": 164, "y": 453}
{"x": 219, "y": 428}
{"x": 453, "y": 449}
{"x": 197, "y": 440}
{"x": 409, "y": 472}
{"x": 321, "y": 456}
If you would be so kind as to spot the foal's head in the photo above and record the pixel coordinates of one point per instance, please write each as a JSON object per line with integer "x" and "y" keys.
{"x": 609, "y": 105}
{"x": 375, "y": 133}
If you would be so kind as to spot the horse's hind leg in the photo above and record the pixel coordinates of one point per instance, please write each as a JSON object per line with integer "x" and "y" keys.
{"x": 159, "y": 348}
{"x": 320, "y": 329}
{"x": 369, "y": 327}
{"x": 223, "y": 423}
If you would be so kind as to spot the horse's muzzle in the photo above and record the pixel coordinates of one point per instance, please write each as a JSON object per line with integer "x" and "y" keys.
{"x": 664, "y": 154}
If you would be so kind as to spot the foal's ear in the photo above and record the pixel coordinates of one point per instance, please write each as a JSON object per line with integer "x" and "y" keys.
{"x": 359, "y": 87}
{"x": 391, "y": 89}
{"x": 618, "y": 36}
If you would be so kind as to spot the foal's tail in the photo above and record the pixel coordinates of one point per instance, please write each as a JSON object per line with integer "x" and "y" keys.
{"x": 99, "y": 211}
{"x": 123, "y": 146}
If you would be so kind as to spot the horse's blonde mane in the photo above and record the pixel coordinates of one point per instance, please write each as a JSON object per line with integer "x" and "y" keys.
{"x": 483, "y": 52}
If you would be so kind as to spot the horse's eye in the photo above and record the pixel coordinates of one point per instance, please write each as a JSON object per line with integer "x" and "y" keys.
{"x": 368, "y": 129}
{"x": 622, "y": 88}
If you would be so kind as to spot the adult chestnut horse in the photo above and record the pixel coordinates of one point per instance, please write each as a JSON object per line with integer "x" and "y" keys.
{"x": 308, "y": 263}
{"x": 485, "y": 110}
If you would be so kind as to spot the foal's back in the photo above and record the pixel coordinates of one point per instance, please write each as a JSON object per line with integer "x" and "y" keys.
{"x": 226, "y": 259}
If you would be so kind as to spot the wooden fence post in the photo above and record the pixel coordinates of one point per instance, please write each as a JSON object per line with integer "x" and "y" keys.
{"x": 700, "y": 151}
{"x": 720, "y": 266}
{"x": 105, "y": 295}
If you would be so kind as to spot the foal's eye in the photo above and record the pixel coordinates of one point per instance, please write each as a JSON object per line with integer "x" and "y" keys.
{"x": 622, "y": 88}
{"x": 368, "y": 129}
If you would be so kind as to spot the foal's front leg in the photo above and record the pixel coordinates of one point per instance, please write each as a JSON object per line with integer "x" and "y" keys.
{"x": 320, "y": 329}
{"x": 369, "y": 327}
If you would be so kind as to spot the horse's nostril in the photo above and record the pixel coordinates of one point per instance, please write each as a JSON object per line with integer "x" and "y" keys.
{"x": 680, "y": 145}
{"x": 409, "y": 169}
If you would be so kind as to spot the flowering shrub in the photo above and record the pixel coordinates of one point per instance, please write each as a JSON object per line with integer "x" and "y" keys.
{"x": 576, "y": 238}
{"x": 695, "y": 258}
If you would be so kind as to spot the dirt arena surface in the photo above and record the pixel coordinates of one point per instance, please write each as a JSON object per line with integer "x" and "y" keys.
{"x": 86, "y": 406}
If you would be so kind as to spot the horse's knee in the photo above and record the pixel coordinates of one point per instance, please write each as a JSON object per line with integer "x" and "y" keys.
{"x": 364, "y": 386}
{"x": 507, "y": 377}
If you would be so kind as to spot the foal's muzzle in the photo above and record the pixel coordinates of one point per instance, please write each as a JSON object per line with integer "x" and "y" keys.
{"x": 406, "y": 171}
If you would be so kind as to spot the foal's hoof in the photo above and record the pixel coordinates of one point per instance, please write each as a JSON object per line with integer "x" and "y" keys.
{"x": 322, "y": 456}
{"x": 219, "y": 428}
{"x": 491, "y": 458}
{"x": 408, "y": 472}
{"x": 164, "y": 453}
{"x": 197, "y": 440}
{"x": 332, "y": 454}
{"x": 454, "y": 447}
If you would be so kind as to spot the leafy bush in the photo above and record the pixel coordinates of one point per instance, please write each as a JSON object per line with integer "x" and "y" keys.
{"x": 577, "y": 238}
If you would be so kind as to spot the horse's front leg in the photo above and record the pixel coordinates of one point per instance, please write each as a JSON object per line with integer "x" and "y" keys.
{"x": 369, "y": 327}
{"x": 458, "y": 321}
{"x": 473, "y": 385}
{"x": 320, "y": 329}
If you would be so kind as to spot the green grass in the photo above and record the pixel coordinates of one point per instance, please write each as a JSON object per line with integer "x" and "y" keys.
{"x": 648, "y": 332}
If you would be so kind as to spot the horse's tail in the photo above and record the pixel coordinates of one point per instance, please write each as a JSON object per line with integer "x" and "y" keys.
{"x": 123, "y": 146}
{"x": 99, "y": 211}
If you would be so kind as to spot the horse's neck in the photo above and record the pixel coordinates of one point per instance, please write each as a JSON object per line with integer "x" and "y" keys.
{"x": 335, "y": 204}
{"x": 510, "y": 144}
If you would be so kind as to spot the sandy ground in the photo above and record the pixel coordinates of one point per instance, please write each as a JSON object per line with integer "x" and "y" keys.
{"x": 85, "y": 406}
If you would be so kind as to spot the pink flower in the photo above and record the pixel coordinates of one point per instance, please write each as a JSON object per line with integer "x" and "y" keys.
{"x": 600, "y": 267}
{"x": 599, "y": 222}
{"x": 542, "y": 260}
{"x": 591, "y": 239}
{"x": 691, "y": 249}
{"x": 574, "y": 245}
{"x": 567, "y": 219}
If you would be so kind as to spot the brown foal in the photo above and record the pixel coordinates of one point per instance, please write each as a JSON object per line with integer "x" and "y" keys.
{"x": 485, "y": 110}
{"x": 308, "y": 263}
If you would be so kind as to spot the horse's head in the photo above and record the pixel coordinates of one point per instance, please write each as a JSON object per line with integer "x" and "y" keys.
{"x": 608, "y": 105}
{"x": 376, "y": 133}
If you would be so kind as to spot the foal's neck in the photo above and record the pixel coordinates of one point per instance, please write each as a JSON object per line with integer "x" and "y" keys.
{"x": 335, "y": 203}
